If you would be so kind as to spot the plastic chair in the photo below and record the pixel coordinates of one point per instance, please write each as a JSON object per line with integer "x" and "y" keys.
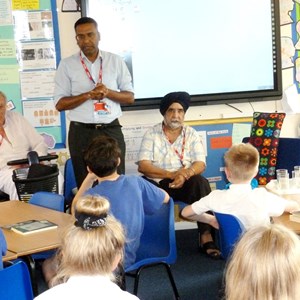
{"x": 48, "y": 200}
{"x": 229, "y": 232}
{"x": 157, "y": 245}
{"x": 51, "y": 201}
{"x": 70, "y": 184}
{"x": 15, "y": 282}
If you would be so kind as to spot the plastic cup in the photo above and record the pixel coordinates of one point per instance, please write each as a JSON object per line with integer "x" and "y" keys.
{"x": 283, "y": 180}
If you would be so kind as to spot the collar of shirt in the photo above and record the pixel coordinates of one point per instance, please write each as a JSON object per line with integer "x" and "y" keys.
{"x": 240, "y": 187}
{"x": 86, "y": 59}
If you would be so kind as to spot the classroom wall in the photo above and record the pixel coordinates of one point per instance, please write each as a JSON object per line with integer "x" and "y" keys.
{"x": 290, "y": 125}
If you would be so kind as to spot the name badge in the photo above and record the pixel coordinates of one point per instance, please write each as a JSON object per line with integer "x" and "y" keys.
{"x": 100, "y": 109}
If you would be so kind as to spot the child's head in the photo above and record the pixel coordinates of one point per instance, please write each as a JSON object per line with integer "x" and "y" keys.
{"x": 94, "y": 244}
{"x": 241, "y": 163}
{"x": 102, "y": 156}
{"x": 265, "y": 265}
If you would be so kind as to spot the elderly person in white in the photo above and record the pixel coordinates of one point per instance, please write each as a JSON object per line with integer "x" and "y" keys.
{"x": 17, "y": 137}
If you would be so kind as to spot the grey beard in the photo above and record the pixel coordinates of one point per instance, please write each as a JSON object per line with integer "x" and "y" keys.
{"x": 175, "y": 125}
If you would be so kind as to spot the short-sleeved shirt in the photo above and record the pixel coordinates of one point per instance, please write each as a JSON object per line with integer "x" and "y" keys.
{"x": 72, "y": 80}
{"x": 156, "y": 148}
{"x": 130, "y": 197}
{"x": 253, "y": 207}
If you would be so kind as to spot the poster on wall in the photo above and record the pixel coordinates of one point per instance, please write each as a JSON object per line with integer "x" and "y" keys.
{"x": 33, "y": 25}
{"x": 41, "y": 113}
{"x": 29, "y": 54}
{"x": 36, "y": 55}
{"x": 35, "y": 84}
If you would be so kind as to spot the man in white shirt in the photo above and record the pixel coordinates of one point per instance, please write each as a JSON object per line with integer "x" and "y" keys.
{"x": 92, "y": 84}
{"x": 17, "y": 138}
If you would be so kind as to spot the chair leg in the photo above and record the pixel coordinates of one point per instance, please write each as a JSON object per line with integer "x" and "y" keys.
{"x": 32, "y": 270}
{"x": 137, "y": 280}
{"x": 175, "y": 291}
{"x": 171, "y": 278}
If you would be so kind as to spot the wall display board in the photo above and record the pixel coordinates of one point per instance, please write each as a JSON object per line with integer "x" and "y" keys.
{"x": 216, "y": 135}
{"x": 29, "y": 55}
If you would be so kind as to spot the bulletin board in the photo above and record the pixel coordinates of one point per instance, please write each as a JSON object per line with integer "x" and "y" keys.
{"x": 220, "y": 135}
{"x": 29, "y": 55}
{"x": 216, "y": 135}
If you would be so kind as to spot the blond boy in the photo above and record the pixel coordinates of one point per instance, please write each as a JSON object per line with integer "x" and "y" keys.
{"x": 252, "y": 207}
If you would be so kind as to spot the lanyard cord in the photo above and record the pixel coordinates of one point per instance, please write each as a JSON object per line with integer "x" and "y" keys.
{"x": 180, "y": 155}
{"x": 88, "y": 72}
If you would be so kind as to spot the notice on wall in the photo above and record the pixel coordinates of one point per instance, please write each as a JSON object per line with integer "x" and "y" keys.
{"x": 35, "y": 84}
{"x": 38, "y": 55}
{"x": 41, "y": 113}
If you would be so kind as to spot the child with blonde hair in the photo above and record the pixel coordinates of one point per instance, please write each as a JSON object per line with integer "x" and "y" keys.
{"x": 265, "y": 265}
{"x": 252, "y": 207}
{"x": 91, "y": 250}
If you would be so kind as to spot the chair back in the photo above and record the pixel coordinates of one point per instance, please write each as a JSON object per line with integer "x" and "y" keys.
{"x": 15, "y": 283}
{"x": 48, "y": 200}
{"x": 230, "y": 229}
{"x": 69, "y": 182}
{"x": 3, "y": 247}
{"x": 158, "y": 241}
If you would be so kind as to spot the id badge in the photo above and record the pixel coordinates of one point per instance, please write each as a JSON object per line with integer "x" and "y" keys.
{"x": 100, "y": 109}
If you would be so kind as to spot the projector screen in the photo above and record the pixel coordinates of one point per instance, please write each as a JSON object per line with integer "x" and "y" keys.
{"x": 217, "y": 51}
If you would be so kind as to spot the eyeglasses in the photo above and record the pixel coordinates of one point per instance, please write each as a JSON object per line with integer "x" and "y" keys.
{"x": 82, "y": 37}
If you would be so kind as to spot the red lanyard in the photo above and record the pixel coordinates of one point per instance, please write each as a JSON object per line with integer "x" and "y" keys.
{"x": 88, "y": 72}
{"x": 180, "y": 155}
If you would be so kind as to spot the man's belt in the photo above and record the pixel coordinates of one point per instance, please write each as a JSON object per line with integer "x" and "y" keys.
{"x": 96, "y": 126}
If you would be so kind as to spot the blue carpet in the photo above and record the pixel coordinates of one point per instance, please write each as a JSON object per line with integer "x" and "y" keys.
{"x": 197, "y": 276}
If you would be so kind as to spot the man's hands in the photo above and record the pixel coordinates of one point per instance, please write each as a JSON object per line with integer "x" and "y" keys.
{"x": 99, "y": 92}
{"x": 180, "y": 177}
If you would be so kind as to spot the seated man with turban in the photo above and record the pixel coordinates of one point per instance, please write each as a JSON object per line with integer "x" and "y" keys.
{"x": 172, "y": 157}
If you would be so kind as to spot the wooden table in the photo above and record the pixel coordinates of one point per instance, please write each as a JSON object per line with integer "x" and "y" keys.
{"x": 16, "y": 211}
{"x": 9, "y": 256}
{"x": 285, "y": 218}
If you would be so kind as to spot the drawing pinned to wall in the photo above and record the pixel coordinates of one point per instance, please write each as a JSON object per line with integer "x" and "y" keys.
{"x": 295, "y": 29}
{"x": 286, "y": 8}
{"x": 49, "y": 140}
{"x": 287, "y": 52}
{"x": 71, "y": 6}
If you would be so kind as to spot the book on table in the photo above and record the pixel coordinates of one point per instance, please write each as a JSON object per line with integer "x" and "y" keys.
{"x": 32, "y": 226}
{"x": 295, "y": 216}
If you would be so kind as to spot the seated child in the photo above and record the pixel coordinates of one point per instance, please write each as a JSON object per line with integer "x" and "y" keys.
{"x": 265, "y": 265}
{"x": 91, "y": 249}
{"x": 130, "y": 196}
{"x": 252, "y": 207}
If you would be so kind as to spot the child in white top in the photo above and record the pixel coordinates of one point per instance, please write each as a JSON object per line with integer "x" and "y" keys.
{"x": 91, "y": 249}
{"x": 252, "y": 207}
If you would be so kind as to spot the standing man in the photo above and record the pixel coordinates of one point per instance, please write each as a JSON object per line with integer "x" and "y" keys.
{"x": 92, "y": 84}
{"x": 172, "y": 157}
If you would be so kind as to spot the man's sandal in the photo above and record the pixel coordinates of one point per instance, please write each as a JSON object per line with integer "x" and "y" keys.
{"x": 210, "y": 246}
